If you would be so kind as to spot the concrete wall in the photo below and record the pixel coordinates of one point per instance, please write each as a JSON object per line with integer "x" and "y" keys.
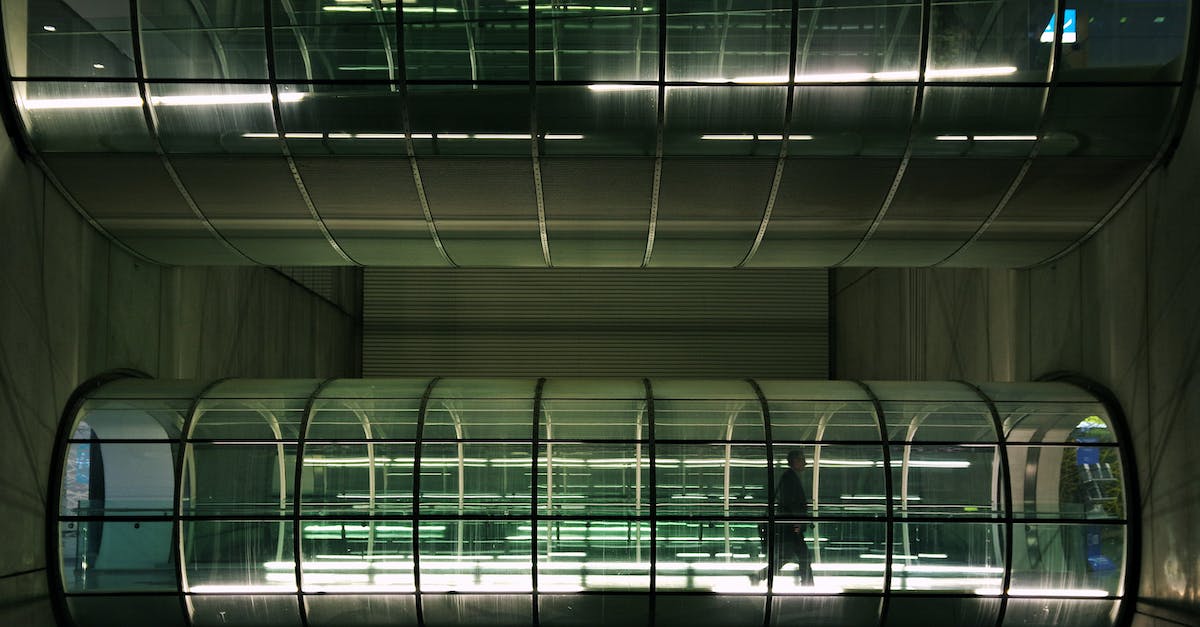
{"x": 1124, "y": 310}
{"x": 73, "y": 305}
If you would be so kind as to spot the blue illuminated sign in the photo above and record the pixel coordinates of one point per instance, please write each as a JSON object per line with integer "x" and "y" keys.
{"x": 1068, "y": 35}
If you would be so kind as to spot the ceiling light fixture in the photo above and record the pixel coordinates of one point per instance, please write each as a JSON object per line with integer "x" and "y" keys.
{"x": 1005, "y": 138}
{"x": 619, "y": 87}
{"x": 49, "y": 29}
{"x": 986, "y": 138}
{"x": 166, "y": 101}
{"x": 501, "y": 136}
{"x": 552, "y": 136}
{"x": 83, "y": 103}
{"x": 862, "y": 77}
{"x": 768, "y": 137}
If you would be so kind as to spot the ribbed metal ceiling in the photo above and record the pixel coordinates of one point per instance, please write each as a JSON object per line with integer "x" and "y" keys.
{"x": 598, "y": 133}
{"x": 704, "y": 323}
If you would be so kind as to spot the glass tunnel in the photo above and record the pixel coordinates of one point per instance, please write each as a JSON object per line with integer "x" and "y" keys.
{"x": 567, "y": 502}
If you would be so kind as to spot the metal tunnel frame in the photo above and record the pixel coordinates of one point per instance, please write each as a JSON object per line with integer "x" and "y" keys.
{"x": 394, "y": 48}
{"x": 998, "y": 405}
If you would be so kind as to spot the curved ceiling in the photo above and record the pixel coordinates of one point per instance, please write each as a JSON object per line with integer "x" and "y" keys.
{"x": 725, "y": 133}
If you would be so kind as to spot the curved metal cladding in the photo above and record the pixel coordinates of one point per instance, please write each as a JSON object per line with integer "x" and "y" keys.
{"x": 591, "y": 502}
{"x": 599, "y": 133}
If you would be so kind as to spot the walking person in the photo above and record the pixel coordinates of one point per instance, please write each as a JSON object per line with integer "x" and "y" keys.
{"x": 790, "y": 502}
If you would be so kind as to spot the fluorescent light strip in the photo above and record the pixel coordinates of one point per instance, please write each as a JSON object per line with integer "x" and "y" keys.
{"x": 732, "y": 137}
{"x": 559, "y": 136}
{"x": 304, "y": 135}
{"x": 836, "y": 77}
{"x": 987, "y": 138}
{"x": 550, "y": 7}
{"x": 1005, "y": 138}
{"x": 501, "y": 136}
{"x": 166, "y": 101}
{"x": 379, "y": 136}
{"x": 83, "y": 103}
{"x": 367, "y": 9}
{"x": 620, "y": 87}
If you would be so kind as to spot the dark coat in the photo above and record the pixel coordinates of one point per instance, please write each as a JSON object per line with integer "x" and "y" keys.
{"x": 790, "y": 499}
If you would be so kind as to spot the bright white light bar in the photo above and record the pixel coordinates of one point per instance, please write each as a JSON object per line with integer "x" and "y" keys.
{"x": 553, "y": 136}
{"x": 841, "y": 77}
{"x": 83, "y": 103}
{"x": 224, "y": 589}
{"x": 719, "y": 137}
{"x": 548, "y": 7}
{"x": 780, "y": 137}
{"x": 49, "y": 29}
{"x": 1055, "y": 592}
{"x": 620, "y": 87}
{"x": 304, "y": 135}
{"x": 838, "y": 77}
{"x": 1005, "y": 138}
{"x": 224, "y": 99}
{"x": 451, "y": 136}
{"x": 971, "y": 72}
{"x": 168, "y": 101}
{"x": 339, "y": 136}
{"x": 778, "y": 78}
{"x": 261, "y": 136}
{"x": 502, "y": 136}
{"x": 987, "y": 138}
{"x": 379, "y": 135}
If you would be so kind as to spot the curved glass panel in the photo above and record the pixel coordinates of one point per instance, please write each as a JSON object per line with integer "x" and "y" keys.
{"x": 575, "y": 82}
{"x": 587, "y": 41}
{"x": 215, "y": 40}
{"x": 375, "y": 501}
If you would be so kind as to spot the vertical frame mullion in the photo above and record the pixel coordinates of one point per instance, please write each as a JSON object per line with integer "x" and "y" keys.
{"x": 297, "y": 486}
{"x": 189, "y": 424}
{"x": 1006, "y": 490}
{"x": 652, "y": 482}
{"x": 770, "y": 543}
{"x": 416, "y": 501}
{"x": 889, "y": 507}
{"x": 533, "y": 491}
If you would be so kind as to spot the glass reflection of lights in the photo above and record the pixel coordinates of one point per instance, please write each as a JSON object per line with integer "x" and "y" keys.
{"x": 573, "y": 502}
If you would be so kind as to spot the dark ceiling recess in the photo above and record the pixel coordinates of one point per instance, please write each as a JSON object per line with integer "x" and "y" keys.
{"x": 710, "y": 323}
{"x": 578, "y": 134}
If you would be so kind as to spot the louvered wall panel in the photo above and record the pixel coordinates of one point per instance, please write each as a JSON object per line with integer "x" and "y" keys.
{"x": 727, "y": 323}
